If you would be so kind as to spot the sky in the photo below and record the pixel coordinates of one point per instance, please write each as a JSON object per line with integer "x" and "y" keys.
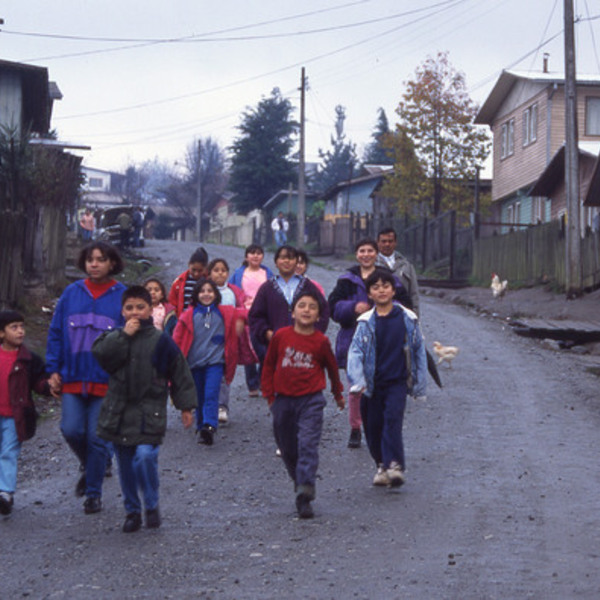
{"x": 142, "y": 80}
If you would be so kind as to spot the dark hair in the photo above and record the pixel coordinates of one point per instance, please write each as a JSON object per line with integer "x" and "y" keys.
{"x": 198, "y": 287}
{"x": 10, "y": 316}
{"x": 251, "y": 249}
{"x": 301, "y": 255}
{"x": 136, "y": 291}
{"x": 107, "y": 250}
{"x": 291, "y": 251}
{"x": 160, "y": 285}
{"x": 386, "y": 231}
{"x": 306, "y": 295}
{"x": 383, "y": 275}
{"x": 366, "y": 242}
{"x": 200, "y": 255}
{"x": 216, "y": 261}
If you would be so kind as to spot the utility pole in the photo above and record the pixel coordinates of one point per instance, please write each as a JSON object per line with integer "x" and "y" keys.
{"x": 574, "y": 277}
{"x": 199, "y": 193}
{"x": 301, "y": 192}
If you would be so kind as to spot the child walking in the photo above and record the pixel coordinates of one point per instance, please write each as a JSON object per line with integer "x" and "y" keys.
{"x": 207, "y": 335}
{"x": 384, "y": 371}
{"x": 293, "y": 379}
{"x": 163, "y": 312}
{"x": 21, "y": 372}
{"x": 180, "y": 294}
{"x": 145, "y": 366}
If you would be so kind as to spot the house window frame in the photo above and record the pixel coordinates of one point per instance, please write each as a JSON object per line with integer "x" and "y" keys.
{"x": 95, "y": 182}
{"x": 507, "y": 138}
{"x": 530, "y": 124}
{"x": 588, "y": 100}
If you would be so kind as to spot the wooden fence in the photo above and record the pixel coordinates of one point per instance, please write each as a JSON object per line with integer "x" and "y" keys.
{"x": 12, "y": 225}
{"x": 535, "y": 255}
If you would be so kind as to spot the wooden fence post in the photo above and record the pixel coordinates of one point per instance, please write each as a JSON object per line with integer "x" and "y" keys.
{"x": 452, "y": 242}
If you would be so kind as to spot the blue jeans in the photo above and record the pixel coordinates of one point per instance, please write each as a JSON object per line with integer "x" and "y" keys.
{"x": 252, "y": 377}
{"x": 10, "y": 448}
{"x": 208, "y": 384}
{"x": 383, "y": 416}
{"x": 138, "y": 470}
{"x": 280, "y": 237}
{"x": 78, "y": 425}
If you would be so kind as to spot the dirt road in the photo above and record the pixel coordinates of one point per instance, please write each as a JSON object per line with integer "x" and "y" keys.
{"x": 501, "y": 499}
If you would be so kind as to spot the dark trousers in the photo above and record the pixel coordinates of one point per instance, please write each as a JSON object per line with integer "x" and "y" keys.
{"x": 382, "y": 416}
{"x": 297, "y": 425}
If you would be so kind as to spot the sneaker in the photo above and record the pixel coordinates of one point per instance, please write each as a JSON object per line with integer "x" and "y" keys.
{"x": 133, "y": 521}
{"x": 305, "y": 510}
{"x": 223, "y": 415}
{"x": 278, "y": 452}
{"x": 207, "y": 435}
{"x": 355, "y": 438}
{"x": 395, "y": 474}
{"x": 153, "y": 518}
{"x": 80, "y": 487}
{"x": 381, "y": 477}
{"x": 92, "y": 505}
{"x": 6, "y": 503}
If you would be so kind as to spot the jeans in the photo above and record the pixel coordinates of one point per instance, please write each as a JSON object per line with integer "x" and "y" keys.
{"x": 138, "y": 470}
{"x": 78, "y": 425}
{"x": 208, "y": 383}
{"x": 252, "y": 377}
{"x": 280, "y": 238}
{"x": 224, "y": 394}
{"x": 383, "y": 415}
{"x": 10, "y": 448}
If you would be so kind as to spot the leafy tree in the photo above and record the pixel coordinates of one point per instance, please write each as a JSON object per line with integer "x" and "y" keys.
{"x": 437, "y": 114}
{"x": 261, "y": 163}
{"x": 338, "y": 163}
{"x": 377, "y": 152}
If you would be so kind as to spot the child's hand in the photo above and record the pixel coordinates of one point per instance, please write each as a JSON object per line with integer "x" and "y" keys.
{"x": 55, "y": 384}
{"x": 187, "y": 418}
{"x": 361, "y": 307}
{"x": 132, "y": 326}
{"x": 239, "y": 327}
{"x": 341, "y": 402}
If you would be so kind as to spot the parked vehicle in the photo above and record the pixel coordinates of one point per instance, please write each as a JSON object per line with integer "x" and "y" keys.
{"x": 108, "y": 227}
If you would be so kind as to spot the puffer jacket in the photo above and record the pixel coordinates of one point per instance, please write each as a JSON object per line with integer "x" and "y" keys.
{"x": 363, "y": 349}
{"x": 143, "y": 369}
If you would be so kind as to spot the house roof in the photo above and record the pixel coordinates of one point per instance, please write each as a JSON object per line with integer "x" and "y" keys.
{"x": 376, "y": 178}
{"x": 284, "y": 194}
{"x": 507, "y": 80}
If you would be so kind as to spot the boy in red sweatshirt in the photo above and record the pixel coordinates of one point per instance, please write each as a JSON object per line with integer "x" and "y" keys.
{"x": 293, "y": 379}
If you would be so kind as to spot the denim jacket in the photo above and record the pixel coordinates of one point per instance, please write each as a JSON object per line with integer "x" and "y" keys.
{"x": 363, "y": 349}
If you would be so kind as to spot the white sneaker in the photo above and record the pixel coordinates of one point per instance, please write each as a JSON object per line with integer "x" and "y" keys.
{"x": 223, "y": 415}
{"x": 381, "y": 477}
{"x": 395, "y": 474}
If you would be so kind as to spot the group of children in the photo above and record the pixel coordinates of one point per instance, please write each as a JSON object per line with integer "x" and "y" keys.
{"x": 116, "y": 369}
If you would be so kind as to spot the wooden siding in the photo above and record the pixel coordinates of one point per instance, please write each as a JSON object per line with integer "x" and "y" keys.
{"x": 11, "y": 100}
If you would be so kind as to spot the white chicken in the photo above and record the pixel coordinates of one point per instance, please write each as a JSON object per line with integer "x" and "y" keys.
{"x": 445, "y": 353}
{"x": 498, "y": 287}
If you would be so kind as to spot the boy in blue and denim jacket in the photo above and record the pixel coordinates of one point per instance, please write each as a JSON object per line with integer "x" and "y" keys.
{"x": 385, "y": 372}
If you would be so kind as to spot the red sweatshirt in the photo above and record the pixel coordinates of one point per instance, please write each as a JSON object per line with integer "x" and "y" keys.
{"x": 295, "y": 365}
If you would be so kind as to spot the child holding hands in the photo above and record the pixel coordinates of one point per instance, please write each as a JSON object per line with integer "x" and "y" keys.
{"x": 144, "y": 367}
{"x": 293, "y": 379}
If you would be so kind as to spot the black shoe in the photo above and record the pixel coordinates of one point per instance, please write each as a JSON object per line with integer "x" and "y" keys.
{"x": 355, "y": 437}
{"x": 305, "y": 510}
{"x": 6, "y": 503}
{"x": 207, "y": 435}
{"x": 153, "y": 518}
{"x": 80, "y": 487}
{"x": 92, "y": 505}
{"x": 133, "y": 521}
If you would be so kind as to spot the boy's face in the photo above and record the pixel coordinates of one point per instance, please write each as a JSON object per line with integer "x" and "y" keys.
{"x": 382, "y": 293}
{"x": 197, "y": 270}
{"x": 286, "y": 264}
{"x": 306, "y": 311}
{"x": 219, "y": 274}
{"x": 12, "y": 335}
{"x": 136, "y": 308}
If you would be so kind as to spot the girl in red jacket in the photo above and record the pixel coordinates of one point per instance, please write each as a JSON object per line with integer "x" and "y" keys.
{"x": 180, "y": 294}
{"x": 207, "y": 334}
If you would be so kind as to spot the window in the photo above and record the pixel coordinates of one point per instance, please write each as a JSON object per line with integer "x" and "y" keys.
{"x": 538, "y": 206}
{"x": 507, "y": 144}
{"x": 95, "y": 182}
{"x": 592, "y": 116}
{"x": 530, "y": 124}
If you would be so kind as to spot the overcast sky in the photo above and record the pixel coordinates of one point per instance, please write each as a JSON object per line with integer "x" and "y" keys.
{"x": 143, "y": 79}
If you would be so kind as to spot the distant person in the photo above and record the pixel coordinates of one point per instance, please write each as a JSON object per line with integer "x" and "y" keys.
{"x": 293, "y": 380}
{"x": 180, "y": 294}
{"x": 280, "y": 226}
{"x": 137, "y": 222}
{"x": 399, "y": 265}
{"x": 21, "y": 373}
{"x": 124, "y": 222}
{"x": 87, "y": 224}
{"x": 145, "y": 367}
{"x": 386, "y": 361}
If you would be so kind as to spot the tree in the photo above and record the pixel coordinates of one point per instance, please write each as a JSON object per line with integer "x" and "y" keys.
{"x": 339, "y": 162}
{"x": 378, "y": 152}
{"x": 437, "y": 115}
{"x": 261, "y": 163}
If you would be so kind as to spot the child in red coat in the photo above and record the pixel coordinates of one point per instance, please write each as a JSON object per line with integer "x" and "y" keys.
{"x": 293, "y": 380}
{"x": 180, "y": 294}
